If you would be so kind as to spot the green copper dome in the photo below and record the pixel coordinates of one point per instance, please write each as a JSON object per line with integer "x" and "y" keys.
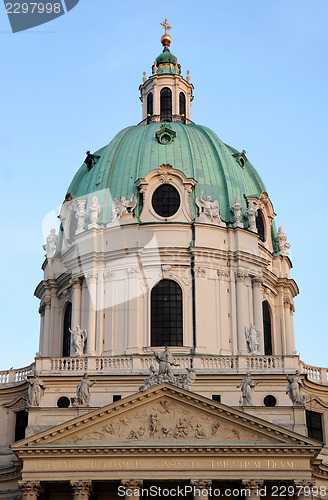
{"x": 220, "y": 171}
{"x": 166, "y": 63}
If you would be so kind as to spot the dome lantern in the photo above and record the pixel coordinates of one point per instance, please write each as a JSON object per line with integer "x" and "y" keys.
{"x": 166, "y": 95}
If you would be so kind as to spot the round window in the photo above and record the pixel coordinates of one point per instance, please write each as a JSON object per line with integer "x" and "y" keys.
{"x": 270, "y": 401}
{"x": 63, "y": 402}
{"x": 166, "y": 200}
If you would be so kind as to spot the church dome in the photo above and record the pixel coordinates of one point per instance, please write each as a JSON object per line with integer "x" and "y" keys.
{"x": 220, "y": 171}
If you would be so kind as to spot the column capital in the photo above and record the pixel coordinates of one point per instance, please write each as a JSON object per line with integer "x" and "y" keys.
{"x": 304, "y": 483}
{"x": 81, "y": 489}
{"x": 133, "y": 484}
{"x": 240, "y": 275}
{"x": 252, "y": 483}
{"x": 76, "y": 281}
{"x": 30, "y": 489}
{"x": 201, "y": 484}
{"x": 257, "y": 281}
{"x": 223, "y": 274}
{"x": 91, "y": 275}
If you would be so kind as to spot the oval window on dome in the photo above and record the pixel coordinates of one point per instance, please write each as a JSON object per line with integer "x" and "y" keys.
{"x": 166, "y": 200}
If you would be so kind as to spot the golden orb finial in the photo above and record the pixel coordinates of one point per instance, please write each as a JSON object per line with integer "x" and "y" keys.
{"x": 166, "y": 39}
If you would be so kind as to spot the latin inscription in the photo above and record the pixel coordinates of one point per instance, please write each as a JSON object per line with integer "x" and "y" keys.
{"x": 159, "y": 464}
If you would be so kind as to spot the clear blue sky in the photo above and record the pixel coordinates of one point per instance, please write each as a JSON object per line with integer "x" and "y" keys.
{"x": 260, "y": 74}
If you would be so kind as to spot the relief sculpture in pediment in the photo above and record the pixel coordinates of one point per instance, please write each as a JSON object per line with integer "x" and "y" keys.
{"x": 169, "y": 421}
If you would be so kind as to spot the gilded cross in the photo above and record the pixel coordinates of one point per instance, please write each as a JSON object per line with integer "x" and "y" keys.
{"x": 166, "y": 26}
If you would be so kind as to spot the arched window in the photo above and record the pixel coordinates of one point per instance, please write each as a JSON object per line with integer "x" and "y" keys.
{"x": 66, "y": 332}
{"x": 267, "y": 328}
{"x": 166, "y": 314}
{"x": 166, "y": 104}
{"x": 150, "y": 106}
{"x": 182, "y": 107}
{"x": 260, "y": 225}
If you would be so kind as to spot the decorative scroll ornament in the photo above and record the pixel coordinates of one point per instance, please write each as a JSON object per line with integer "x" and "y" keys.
{"x": 209, "y": 211}
{"x": 253, "y": 337}
{"x": 237, "y": 208}
{"x": 123, "y": 208}
{"x": 94, "y": 210}
{"x": 251, "y": 213}
{"x": 51, "y": 244}
{"x": 247, "y": 386}
{"x": 83, "y": 392}
{"x": 294, "y": 389}
{"x": 78, "y": 339}
{"x": 35, "y": 390}
{"x": 282, "y": 242}
{"x": 165, "y": 373}
{"x": 165, "y": 135}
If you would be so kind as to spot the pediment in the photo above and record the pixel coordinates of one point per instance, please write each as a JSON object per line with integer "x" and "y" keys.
{"x": 165, "y": 415}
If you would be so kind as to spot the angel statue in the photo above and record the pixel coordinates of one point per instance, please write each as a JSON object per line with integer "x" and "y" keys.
{"x": 253, "y": 337}
{"x": 210, "y": 209}
{"x": 78, "y": 340}
{"x": 124, "y": 206}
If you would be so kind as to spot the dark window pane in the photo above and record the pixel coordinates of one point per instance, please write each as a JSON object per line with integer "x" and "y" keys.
{"x": 166, "y": 104}
{"x": 21, "y": 424}
{"x": 260, "y": 225}
{"x": 166, "y": 314}
{"x": 267, "y": 328}
{"x": 66, "y": 332}
{"x": 314, "y": 425}
{"x": 182, "y": 106}
{"x": 149, "y": 106}
{"x": 166, "y": 202}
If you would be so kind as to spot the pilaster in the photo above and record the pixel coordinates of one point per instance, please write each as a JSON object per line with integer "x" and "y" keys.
{"x": 257, "y": 282}
{"x": 76, "y": 305}
{"x": 91, "y": 278}
{"x": 241, "y": 310}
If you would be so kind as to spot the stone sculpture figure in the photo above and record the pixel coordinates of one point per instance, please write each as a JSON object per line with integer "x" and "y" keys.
{"x": 253, "y": 339}
{"x": 80, "y": 214}
{"x": 237, "y": 209}
{"x": 210, "y": 209}
{"x": 35, "y": 390}
{"x": 247, "y": 386}
{"x": 51, "y": 244}
{"x": 187, "y": 379}
{"x": 165, "y": 362}
{"x": 78, "y": 340}
{"x": 83, "y": 392}
{"x": 164, "y": 373}
{"x": 123, "y": 207}
{"x": 94, "y": 210}
{"x": 294, "y": 389}
{"x": 282, "y": 242}
{"x": 251, "y": 213}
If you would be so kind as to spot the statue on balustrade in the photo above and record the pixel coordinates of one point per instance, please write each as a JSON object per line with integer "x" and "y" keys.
{"x": 165, "y": 362}
{"x": 253, "y": 339}
{"x": 247, "y": 386}
{"x": 35, "y": 390}
{"x": 78, "y": 340}
{"x": 209, "y": 210}
{"x": 165, "y": 373}
{"x": 294, "y": 389}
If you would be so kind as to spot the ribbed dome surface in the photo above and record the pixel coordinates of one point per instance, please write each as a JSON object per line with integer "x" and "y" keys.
{"x": 196, "y": 151}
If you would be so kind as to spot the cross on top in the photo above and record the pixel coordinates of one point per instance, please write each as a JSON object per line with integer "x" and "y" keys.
{"x": 166, "y": 26}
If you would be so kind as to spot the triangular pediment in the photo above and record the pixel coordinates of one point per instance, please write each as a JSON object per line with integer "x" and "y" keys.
{"x": 165, "y": 415}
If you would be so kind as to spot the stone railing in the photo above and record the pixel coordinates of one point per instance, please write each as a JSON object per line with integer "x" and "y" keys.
{"x": 140, "y": 364}
{"x": 315, "y": 373}
{"x": 15, "y": 376}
